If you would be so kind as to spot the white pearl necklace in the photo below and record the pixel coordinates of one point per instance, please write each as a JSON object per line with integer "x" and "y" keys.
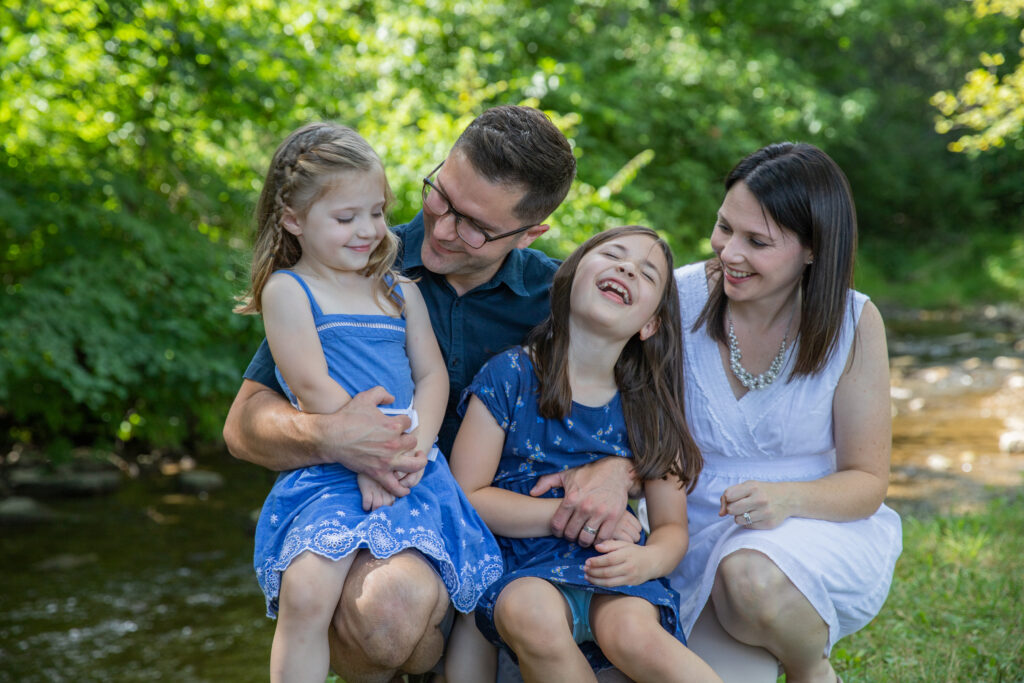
{"x": 747, "y": 378}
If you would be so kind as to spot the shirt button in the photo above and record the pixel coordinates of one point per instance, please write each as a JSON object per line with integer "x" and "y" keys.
{"x": 455, "y": 362}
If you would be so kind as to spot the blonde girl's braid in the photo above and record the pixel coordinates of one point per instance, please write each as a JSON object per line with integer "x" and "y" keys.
{"x": 300, "y": 172}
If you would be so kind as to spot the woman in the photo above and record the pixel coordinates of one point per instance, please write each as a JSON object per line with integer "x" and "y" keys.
{"x": 787, "y": 396}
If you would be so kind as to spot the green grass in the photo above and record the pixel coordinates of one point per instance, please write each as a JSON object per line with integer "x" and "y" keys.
{"x": 956, "y": 609}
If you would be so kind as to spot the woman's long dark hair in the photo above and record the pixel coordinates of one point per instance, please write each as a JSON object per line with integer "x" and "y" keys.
{"x": 804, "y": 191}
{"x": 648, "y": 373}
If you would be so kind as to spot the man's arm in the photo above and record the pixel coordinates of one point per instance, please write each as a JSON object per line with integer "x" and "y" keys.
{"x": 264, "y": 429}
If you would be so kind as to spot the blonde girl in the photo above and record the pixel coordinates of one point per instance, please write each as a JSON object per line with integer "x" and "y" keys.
{"x": 339, "y": 321}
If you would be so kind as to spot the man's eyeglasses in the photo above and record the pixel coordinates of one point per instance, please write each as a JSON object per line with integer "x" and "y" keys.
{"x": 468, "y": 229}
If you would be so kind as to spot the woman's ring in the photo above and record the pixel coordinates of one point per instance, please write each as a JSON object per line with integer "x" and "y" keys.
{"x": 590, "y": 530}
{"x": 746, "y": 518}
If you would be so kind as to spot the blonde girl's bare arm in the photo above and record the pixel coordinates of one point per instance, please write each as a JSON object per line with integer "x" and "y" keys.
{"x": 474, "y": 461}
{"x": 296, "y": 346}
{"x": 428, "y": 370}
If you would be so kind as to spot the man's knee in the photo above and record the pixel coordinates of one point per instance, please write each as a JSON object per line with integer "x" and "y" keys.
{"x": 387, "y": 608}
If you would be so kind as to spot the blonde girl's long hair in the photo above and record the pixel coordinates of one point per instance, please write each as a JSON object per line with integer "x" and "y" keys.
{"x": 304, "y": 167}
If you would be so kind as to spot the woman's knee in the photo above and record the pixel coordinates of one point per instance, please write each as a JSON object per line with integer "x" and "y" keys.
{"x": 749, "y": 584}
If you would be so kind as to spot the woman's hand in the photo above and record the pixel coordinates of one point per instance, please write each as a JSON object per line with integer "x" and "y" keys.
{"x": 622, "y": 564}
{"x": 756, "y": 504}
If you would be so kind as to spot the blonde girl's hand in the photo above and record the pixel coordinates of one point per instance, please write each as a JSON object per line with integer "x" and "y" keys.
{"x": 755, "y": 504}
{"x": 412, "y": 478}
{"x": 621, "y": 564}
{"x": 374, "y": 495}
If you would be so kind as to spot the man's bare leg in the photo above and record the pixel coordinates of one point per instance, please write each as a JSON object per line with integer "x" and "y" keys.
{"x": 388, "y": 619}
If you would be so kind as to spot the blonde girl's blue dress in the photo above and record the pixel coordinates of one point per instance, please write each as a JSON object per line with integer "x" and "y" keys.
{"x": 781, "y": 433}
{"x": 319, "y": 509}
{"x": 535, "y": 446}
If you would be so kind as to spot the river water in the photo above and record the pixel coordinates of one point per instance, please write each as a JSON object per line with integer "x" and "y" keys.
{"x": 152, "y": 584}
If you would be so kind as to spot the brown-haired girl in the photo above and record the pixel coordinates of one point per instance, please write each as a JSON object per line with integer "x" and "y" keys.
{"x": 601, "y": 377}
{"x": 339, "y": 321}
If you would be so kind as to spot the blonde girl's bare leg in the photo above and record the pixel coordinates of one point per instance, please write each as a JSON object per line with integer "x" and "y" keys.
{"x": 310, "y": 589}
{"x": 533, "y": 617}
{"x": 631, "y": 636}
{"x": 734, "y": 661}
{"x": 470, "y": 656}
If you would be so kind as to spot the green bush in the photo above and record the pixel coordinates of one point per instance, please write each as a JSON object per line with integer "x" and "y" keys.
{"x": 135, "y": 135}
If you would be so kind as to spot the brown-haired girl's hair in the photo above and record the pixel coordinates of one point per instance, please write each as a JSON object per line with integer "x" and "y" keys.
{"x": 304, "y": 167}
{"x": 806, "y": 192}
{"x": 648, "y": 373}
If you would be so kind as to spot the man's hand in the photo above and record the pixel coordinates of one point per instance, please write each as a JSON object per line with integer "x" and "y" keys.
{"x": 264, "y": 429}
{"x": 628, "y": 529}
{"x": 375, "y": 444}
{"x": 595, "y": 498}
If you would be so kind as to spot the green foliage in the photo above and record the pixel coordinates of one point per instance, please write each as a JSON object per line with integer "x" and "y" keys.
{"x": 123, "y": 325}
{"x": 135, "y": 135}
{"x": 991, "y": 101}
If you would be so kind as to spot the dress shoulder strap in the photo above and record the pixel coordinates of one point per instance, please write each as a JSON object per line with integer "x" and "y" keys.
{"x": 396, "y": 294}
{"x": 317, "y": 313}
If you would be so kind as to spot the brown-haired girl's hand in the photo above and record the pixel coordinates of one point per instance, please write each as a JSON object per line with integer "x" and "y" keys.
{"x": 627, "y": 529}
{"x": 620, "y": 564}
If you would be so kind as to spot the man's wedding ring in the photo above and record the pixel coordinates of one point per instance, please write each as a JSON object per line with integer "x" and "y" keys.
{"x": 590, "y": 530}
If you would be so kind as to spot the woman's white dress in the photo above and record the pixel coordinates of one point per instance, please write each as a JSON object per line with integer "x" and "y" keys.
{"x": 780, "y": 433}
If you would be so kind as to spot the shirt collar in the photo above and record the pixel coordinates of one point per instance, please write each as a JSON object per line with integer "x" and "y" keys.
{"x": 511, "y": 272}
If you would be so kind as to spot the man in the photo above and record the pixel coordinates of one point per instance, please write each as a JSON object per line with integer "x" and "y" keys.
{"x": 485, "y": 289}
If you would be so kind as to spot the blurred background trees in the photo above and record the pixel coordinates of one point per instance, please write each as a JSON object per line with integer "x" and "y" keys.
{"x": 135, "y": 134}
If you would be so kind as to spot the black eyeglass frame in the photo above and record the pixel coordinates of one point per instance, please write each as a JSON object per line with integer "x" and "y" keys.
{"x": 460, "y": 217}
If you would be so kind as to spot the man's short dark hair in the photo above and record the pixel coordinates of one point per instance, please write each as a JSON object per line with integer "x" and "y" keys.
{"x": 520, "y": 146}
